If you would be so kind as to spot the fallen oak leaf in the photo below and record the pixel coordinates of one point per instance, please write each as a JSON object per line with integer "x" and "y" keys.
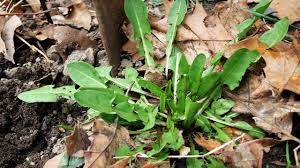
{"x": 8, "y": 36}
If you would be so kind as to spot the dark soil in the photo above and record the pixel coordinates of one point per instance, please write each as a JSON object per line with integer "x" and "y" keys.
{"x": 28, "y": 132}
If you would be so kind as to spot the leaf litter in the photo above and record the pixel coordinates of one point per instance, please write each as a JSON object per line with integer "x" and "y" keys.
{"x": 201, "y": 32}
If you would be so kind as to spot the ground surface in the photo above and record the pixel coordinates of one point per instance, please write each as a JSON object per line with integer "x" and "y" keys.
{"x": 29, "y": 130}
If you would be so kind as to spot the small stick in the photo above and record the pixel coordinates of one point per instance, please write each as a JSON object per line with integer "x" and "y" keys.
{"x": 140, "y": 155}
{"x": 36, "y": 13}
{"x": 15, "y": 5}
{"x": 47, "y": 14}
{"x": 34, "y": 48}
{"x": 129, "y": 89}
{"x": 296, "y": 155}
{"x": 7, "y": 8}
{"x": 2, "y": 3}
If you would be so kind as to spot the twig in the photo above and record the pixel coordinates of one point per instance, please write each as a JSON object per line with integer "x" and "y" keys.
{"x": 112, "y": 138}
{"x": 2, "y": 3}
{"x": 36, "y": 13}
{"x": 15, "y": 5}
{"x": 47, "y": 14}
{"x": 140, "y": 155}
{"x": 7, "y": 8}
{"x": 34, "y": 48}
{"x": 296, "y": 155}
{"x": 130, "y": 87}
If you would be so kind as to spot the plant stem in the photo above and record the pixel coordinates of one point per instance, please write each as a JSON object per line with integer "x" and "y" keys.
{"x": 266, "y": 17}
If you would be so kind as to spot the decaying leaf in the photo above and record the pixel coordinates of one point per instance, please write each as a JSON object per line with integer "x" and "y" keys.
{"x": 271, "y": 115}
{"x": 211, "y": 29}
{"x": 35, "y": 5}
{"x": 77, "y": 141}
{"x": 183, "y": 34}
{"x": 157, "y": 164}
{"x": 64, "y": 35}
{"x": 105, "y": 142}
{"x": 231, "y": 14}
{"x": 208, "y": 144}
{"x": 131, "y": 47}
{"x": 289, "y": 8}
{"x": 80, "y": 16}
{"x": 121, "y": 163}
{"x": 8, "y": 36}
{"x": 250, "y": 154}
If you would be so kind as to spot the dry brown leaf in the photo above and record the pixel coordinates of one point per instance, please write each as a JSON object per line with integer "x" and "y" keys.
{"x": 206, "y": 27}
{"x": 250, "y": 154}
{"x": 35, "y": 5}
{"x": 80, "y": 15}
{"x": 271, "y": 115}
{"x": 105, "y": 142}
{"x": 231, "y": 14}
{"x": 64, "y": 35}
{"x": 167, "y": 6}
{"x": 155, "y": 76}
{"x": 8, "y": 36}
{"x": 208, "y": 144}
{"x": 282, "y": 63}
{"x": 289, "y": 8}
{"x": 158, "y": 164}
{"x": 77, "y": 141}
{"x": 121, "y": 163}
{"x": 183, "y": 34}
{"x": 131, "y": 48}
{"x": 234, "y": 132}
{"x": 192, "y": 48}
{"x": 54, "y": 162}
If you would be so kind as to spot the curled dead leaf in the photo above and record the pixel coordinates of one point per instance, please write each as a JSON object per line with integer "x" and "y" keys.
{"x": 8, "y": 36}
